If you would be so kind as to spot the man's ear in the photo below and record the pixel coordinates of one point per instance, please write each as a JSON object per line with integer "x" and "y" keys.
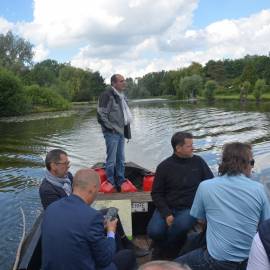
{"x": 178, "y": 148}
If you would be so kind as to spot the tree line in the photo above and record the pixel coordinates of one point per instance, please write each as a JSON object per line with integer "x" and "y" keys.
{"x": 26, "y": 87}
{"x": 241, "y": 77}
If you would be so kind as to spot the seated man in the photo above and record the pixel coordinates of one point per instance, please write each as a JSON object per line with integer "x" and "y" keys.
{"x": 73, "y": 232}
{"x": 58, "y": 184}
{"x": 259, "y": 256}
{"x": 176, "y": 181}
{"x": 232, "y": 205}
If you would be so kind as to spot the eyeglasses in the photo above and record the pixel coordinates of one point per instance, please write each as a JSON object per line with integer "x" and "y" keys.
{"x": 67, "y": 163}
{"x": 252, "y": 162}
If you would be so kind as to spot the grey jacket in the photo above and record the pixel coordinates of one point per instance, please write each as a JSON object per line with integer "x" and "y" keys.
{"x": 110, "y": 113}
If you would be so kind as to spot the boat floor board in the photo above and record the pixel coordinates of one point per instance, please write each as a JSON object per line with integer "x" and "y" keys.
{"x": 143, "y": 241}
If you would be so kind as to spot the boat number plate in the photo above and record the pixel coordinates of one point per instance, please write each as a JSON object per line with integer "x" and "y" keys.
{"x": 139, "y": 207}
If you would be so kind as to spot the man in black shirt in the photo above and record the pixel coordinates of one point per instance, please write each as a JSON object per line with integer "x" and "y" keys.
{"x": 176, "y": 181}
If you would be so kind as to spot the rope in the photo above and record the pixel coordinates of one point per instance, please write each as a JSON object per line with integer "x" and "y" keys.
{"x": 21, "y": 242}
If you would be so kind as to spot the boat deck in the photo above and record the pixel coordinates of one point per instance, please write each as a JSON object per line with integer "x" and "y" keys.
{"x": 144, "y": 242}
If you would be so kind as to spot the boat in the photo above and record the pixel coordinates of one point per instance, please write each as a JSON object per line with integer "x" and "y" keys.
{"x": 29, "y": 257}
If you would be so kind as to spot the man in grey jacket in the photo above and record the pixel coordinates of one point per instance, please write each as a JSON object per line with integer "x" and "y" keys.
{"x": 114, "y": 117}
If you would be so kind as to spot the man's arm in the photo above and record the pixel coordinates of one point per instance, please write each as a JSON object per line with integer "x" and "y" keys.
{"x": 103, "y": 248}
{"x": 103, "y": 111}
{"x": 198, "y": 209}
{"x": 48, "y": 194}
{"x": 207, "y": 173}
{"x": 265, "y": 213}
{"x": 158, "y": 193}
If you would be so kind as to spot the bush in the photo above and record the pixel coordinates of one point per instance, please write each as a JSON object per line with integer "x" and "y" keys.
{"x": 42, "y": 96}
{"x": 13, "y": 99}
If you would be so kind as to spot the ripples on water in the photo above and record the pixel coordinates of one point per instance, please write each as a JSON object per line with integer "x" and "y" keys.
{"x": 25, "y": 142}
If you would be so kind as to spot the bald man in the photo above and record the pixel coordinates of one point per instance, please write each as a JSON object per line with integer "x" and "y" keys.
{"x": 73, "y": 232}
{"x": 163, "y": 265}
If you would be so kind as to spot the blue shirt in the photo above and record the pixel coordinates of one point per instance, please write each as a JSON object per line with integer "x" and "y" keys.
{"x": 233, "y": 207}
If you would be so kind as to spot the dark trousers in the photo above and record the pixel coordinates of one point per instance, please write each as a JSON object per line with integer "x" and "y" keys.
{"x": 159, "y": 231}
{"x": 200, "y": 259}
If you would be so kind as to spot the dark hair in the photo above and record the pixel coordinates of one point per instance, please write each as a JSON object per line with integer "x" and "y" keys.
{"x": 53, "y": 156}
{"x": 235, "y": 158}
{"x": 178, "y": 138}
{"x": 114, "y": 78}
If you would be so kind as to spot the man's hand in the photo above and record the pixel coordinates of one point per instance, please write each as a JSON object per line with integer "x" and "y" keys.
{"x": 169, "y": 220}
{"x": 111, "y": 225}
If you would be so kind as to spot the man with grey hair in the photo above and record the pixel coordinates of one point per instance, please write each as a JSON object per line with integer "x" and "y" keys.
{"x": 114, "y": 116}
{"x": 163, "y": 265}
{"x": 73, "y": 232}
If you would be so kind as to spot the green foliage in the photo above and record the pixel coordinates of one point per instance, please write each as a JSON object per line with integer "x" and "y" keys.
{"x": 189, "y": 87}
{"x": 13, "y": 100}
{"x": 15, "y": 53}
{"x": 46, "y": 97}
{"x": 249, "y": 73}
{"x": 210, "y": 88}
{"x": 44, "y": 73}
{"x": 244, "y": 90}
{"x": 259, "y": 89}
{"x": 215, "y": 70}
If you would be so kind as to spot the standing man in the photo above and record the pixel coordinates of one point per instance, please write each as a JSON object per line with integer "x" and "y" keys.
{"x": 115, "y": 117}
{"x": 176, "y": 181}
{"x": 73, "y": 232}
{"x": 233, "y": 205}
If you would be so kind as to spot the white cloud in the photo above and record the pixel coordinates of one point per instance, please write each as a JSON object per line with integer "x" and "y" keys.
{"x": 5, "y": 26}
{"x": 40, "y": 53}
{"x": 134, "y": 37}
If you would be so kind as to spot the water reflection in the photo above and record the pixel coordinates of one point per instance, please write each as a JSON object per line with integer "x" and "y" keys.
{"x": 25, "y": 142}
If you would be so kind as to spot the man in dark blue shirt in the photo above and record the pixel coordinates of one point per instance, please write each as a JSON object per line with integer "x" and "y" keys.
{"x": 73, "y": 232}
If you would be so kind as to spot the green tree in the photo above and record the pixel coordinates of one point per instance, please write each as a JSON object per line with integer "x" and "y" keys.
{"x": 249, "y": 73}
{"x": 259, "y": 89}
{"x": 44, "y": 73}
{"x": 15, "y": 53}
{"x": 13, "y": 99}
{"x": 189, "y": 87}
{"x": 244, "y": 90}
{"x": 46, "y": 98}
{"x": 214, "y": 70}
{"x": 210, "y": 89}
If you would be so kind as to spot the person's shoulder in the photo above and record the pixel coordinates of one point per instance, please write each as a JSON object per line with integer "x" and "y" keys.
{"x": 107, "y": 91}
{"x": 165, "y": 162}
{"x": 208, "y": 183}
{"x": 198, "y": 159}
{"x": 45, "y": 184}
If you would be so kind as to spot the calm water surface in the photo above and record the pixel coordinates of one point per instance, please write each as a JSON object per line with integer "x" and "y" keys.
{"x": 25, "y": 142}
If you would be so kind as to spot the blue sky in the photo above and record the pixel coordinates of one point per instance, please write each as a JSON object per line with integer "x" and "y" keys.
{"x": 134, "y": 36}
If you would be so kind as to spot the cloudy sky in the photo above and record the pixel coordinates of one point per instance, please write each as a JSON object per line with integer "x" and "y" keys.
{"x": 134, "y": 37}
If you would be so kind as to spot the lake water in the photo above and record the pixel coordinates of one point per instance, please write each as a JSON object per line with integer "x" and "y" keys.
{"x": 26, "y": 140}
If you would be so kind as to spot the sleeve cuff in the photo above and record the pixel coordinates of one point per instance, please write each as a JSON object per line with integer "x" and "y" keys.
{"x": 110, "y": 234}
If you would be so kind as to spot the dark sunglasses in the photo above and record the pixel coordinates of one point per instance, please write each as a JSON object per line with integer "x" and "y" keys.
{"x": 252, "y": 162}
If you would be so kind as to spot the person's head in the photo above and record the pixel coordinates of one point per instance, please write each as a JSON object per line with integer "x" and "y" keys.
{"x": 163, "y": 265}
{"x": 118, "y": 82}
{"x": 236, "y": 159}
{"x": 57, "y": 162}
{"x": 86, "y": 184}
{"x": 182, "y": 144}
